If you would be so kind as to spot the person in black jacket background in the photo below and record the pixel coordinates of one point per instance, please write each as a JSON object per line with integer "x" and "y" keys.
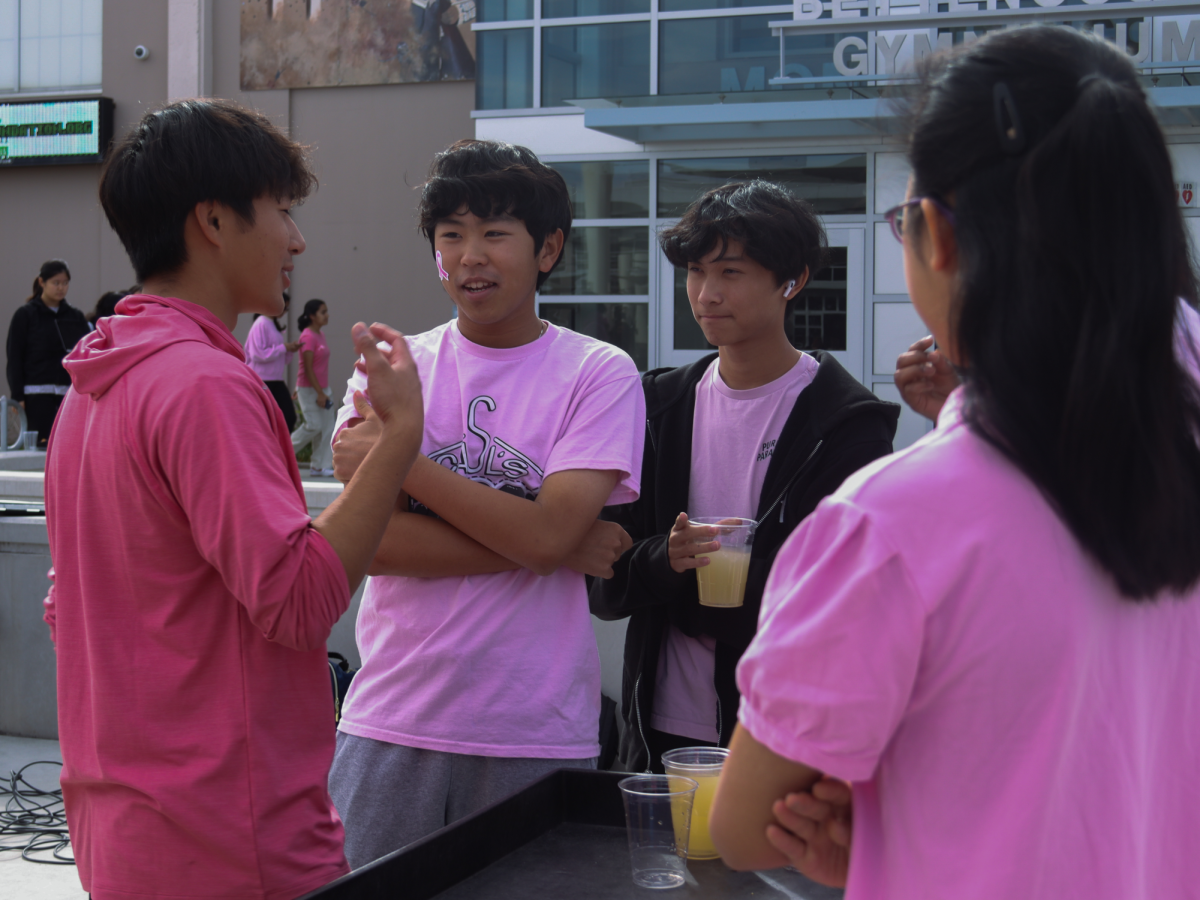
{"x": 758, "y": 430}
{"x": 42, "y": 332}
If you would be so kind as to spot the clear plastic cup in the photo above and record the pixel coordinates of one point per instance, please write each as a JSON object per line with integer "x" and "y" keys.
{"x": 723, "y": 581}
{"x": 703, "y": 766}
{"x": 29, "y": 440}
{"x": 658, "y": 813}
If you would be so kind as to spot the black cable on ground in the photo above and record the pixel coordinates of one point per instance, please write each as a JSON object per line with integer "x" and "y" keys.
{"x": 33, "y": 820}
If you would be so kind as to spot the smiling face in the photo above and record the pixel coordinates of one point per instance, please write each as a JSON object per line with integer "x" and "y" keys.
{"x": 491, "y": 267}
{"x": 54, "y": 290}
{"x": 734, "y": 298}
{"x": 260, "y": 257}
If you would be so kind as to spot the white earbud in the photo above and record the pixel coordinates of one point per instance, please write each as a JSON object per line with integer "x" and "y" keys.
{"x": 791, "y": 286}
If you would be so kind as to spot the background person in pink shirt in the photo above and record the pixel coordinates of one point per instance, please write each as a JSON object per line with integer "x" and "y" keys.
{"x": 312, "y": 390}
{"x": 992, "y": 635}
{"x": 480, "y": 671}
{"x": 267, "y": 352}
{"x": 192, "y": 594}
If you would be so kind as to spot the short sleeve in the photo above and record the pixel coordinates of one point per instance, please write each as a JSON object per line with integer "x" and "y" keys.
{"x": 828, "y": 677}
{"x": 604, "y": 431}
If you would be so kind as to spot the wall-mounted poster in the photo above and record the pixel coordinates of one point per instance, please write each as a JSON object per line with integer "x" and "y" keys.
{"x": 325, "y": 43}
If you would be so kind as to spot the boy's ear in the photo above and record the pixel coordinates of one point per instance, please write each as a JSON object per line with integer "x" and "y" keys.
{"x": 212, "y": 221}
{"x": 551, "y": 248}
{"x": 797, "y": 285}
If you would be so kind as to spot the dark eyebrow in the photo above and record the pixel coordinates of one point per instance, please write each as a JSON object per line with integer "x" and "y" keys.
{"x": 503, "y": 218}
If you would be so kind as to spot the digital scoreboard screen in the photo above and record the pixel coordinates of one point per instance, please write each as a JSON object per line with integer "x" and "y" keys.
{"x": 42, "y": 133}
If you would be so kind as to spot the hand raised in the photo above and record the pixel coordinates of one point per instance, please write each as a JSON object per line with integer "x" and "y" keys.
{"x": 925, "y": 378}
{"x": 602, "y": 546}
{"x": 813, "y": 830}
{"x": 392, "y": 383}
{"x": 686, "y": 540}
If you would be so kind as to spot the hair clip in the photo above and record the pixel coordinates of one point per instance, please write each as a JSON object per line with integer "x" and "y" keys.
{"x": 1008, "y": 120}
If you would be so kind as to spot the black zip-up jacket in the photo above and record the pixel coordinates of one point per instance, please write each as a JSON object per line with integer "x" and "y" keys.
{"x": 38, "y": 339}
{"x": 836, "y": 427}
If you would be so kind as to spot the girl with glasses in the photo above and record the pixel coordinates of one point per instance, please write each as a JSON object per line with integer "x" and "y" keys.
{"x": 991, "y": 636}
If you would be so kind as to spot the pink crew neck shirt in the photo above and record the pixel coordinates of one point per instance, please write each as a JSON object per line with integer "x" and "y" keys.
{"x": 314, "y": 342}
{"x": 190, "y": 606}
{"x": 503, "y": 664}
{"x": 1012, "y": 727}
{"x": 266, "y": 350}
{"x": 733, "y": 438}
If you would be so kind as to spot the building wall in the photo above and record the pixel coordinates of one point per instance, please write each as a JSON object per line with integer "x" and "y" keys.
{"x": 369, "y": 146}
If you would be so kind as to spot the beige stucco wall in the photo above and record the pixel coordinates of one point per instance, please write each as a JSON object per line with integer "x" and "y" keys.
{"x": 369, "y": 145}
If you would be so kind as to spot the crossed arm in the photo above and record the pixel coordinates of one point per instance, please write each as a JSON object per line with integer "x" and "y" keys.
{"x": 482, "y": 530}
{"x": 770, "y": 811}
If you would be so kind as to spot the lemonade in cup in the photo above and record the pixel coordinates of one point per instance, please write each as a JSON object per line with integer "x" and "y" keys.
{"x": 723, "y": 581}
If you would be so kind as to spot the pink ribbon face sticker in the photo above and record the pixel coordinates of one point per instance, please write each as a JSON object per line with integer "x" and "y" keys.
{"x": 442, "y": 273}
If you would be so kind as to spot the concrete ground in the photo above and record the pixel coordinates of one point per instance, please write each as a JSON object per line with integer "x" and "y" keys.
{"x": 20, "y": 879}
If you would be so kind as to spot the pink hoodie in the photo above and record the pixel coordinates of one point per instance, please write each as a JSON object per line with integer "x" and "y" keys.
{"x": 190, "y": 609}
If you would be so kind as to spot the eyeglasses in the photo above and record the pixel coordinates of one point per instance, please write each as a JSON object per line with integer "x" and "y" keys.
{"x": 895, "y": 216}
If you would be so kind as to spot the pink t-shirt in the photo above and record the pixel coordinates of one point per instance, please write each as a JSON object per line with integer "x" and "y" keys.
{"x": 733, "y": 437}
{"x": 190, "y": 608}
{"x": 503, "y": 664}
{"x": 1012, "y": 727}
{"x": 266, "y": 350}
{"x": 314, "y": 343}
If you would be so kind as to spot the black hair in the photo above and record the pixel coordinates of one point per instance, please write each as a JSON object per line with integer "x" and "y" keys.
{"x": 187, "y": 153}
{"x": 492, "y": 178}
{"x": 49, "y": 269}
{"x": 1072, "y": 259}
{"x": 106, "y": 306}
{"x": 311, "y": 308}
{"x": 776, "y": 229}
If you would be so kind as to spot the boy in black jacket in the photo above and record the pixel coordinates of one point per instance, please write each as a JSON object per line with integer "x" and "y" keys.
{"x": 759, "y": 430}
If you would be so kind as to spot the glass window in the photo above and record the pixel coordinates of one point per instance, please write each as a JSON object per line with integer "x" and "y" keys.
{"x": 832, "y": 184}
{"x": 627, "y": 325}
{"x": 556, "y": 9}
{"x": 816, "y": 319}
{"x": 504, "y": 65}
{"x": 10, "y": 30}
{"x": 734, "y": 54}
{"x": 503, "y": 10}
{"x": 581, "y": 61}
{"x": 608, "y": 190}
{"x": 603, "y": 261}
{"x": 60, "y": 43}
{"x": 688, "y": 334}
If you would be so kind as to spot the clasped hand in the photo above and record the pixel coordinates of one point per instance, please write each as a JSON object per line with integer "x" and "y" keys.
{"x": 813, "y": 830}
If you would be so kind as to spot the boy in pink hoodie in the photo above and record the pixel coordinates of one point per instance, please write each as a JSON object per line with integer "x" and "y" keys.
{"x": 192, "y": 594}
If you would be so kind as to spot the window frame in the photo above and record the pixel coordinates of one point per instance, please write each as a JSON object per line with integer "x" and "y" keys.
{"x": 53, "y": 92}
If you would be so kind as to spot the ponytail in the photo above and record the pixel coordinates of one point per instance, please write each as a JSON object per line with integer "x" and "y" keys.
{"x": 1073, "y": 259}
{"x": 310, "y": 309}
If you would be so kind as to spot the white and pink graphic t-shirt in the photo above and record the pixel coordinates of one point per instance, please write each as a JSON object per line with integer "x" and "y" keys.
{"x": 733, "y": 438}
{"x": 502, "y": 664}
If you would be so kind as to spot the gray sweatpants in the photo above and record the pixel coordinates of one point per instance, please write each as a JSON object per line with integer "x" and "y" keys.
{"x": 389, "y": 795}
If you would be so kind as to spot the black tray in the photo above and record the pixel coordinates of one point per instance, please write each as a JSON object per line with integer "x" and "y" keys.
{"x": 561, "y": 837}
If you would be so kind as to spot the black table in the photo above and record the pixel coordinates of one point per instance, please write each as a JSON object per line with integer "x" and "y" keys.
{"x": 561, "y": 837}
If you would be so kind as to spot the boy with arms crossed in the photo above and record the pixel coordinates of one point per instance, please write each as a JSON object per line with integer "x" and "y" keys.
{"x": 480, "y": 671}
{"x": 193, "y": 595}
{"x": 758, "y": 430}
